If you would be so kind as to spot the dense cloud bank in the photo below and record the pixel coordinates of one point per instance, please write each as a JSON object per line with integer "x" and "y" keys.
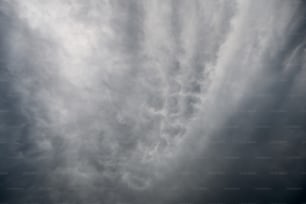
{"x": 152, "y": 101}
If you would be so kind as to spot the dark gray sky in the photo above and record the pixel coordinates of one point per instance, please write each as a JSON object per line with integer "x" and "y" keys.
{"x": 152, "y": 101}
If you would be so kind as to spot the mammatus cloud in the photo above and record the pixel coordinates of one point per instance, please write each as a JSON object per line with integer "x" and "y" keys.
{"x": 116, "y": 98}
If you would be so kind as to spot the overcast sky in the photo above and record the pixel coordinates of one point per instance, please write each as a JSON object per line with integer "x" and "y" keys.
{"x": 152, "y": 101}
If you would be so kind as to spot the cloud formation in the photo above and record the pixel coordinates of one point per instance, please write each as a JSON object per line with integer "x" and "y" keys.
{"x": 120, "y": 101}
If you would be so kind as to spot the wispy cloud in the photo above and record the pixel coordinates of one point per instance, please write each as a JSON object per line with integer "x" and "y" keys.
{"x": 118, "y": 95}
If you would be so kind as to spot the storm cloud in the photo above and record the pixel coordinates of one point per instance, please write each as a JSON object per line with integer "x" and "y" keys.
{"x": 152, "y": 101}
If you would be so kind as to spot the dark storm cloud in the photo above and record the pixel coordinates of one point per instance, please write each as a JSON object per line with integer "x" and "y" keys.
{"x": 125, "y": 101}
{"x": 13, "y": 128}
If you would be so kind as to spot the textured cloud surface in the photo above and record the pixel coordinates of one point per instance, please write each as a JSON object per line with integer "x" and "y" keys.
{"x": 152, "y": 101}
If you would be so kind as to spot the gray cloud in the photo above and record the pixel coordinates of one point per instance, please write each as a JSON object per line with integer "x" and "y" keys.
{"x": 124, "y": 101}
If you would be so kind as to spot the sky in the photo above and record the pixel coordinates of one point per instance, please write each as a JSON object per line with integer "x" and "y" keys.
{"x": 152, "y": 101}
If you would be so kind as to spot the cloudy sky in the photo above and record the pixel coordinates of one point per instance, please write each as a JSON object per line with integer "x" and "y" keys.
{"x": 152, "y": 101}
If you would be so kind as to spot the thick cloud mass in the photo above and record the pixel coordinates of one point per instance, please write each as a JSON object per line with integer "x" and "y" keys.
{"x": 152, "y": 101}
